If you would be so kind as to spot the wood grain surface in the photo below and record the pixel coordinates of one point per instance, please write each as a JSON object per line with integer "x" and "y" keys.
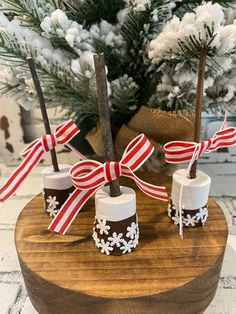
{"x": 165, "y": 274}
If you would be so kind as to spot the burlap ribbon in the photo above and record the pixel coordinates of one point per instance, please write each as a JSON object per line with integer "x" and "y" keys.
{"x": 159, "y": 126}
{"x": 163, "y": 126}
{"x": 94, "y": 137}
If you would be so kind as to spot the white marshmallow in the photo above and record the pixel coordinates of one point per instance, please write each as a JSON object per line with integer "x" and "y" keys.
{"x": 57, "y": 180}
{"x": 115, "y": 208}
{"x": 195, "y": 191}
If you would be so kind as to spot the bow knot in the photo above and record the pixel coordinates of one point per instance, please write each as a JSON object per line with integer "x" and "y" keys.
{"x": 179, "y": 151}
{"x": 33, "y": 153}
{"x": 207, "y": 144}
{"x": 89, "y": 175}
{"x": 111, "y": 170}
{"x": 201, "y": 148}
{"x": 48, "y": 142}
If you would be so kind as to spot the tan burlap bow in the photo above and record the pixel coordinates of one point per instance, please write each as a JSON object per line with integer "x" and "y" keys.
{"x": 158, "y": 125}
{"x": 163, "y": 126}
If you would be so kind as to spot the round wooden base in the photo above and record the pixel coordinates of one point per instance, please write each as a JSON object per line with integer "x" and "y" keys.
{"x": 165, "y": 274}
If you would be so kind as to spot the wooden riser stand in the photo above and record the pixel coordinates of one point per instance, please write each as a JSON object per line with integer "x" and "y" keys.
{"x": 165, "y": 274}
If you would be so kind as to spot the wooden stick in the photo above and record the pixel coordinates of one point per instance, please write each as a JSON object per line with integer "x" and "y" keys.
{"x": 43, "y": 109}
{"x": 103, "y": 109}
{"x": 198, "y": 106}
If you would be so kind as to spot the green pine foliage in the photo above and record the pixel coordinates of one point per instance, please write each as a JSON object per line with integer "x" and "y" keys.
{"x": 75, "y": 29}
{"x": 58, "y": 89}
{"x": 30, "y": 13}
{"x": 124, "y": 99}
{"x": 93, "y": 11}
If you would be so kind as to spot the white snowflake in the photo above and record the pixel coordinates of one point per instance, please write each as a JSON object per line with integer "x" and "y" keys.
{"x": 202, "y": 214}
{"x": 174, "y": 206}
{"x": 132, "y": 230}
{"x": 105, "y": 247}
{"x": 102, "y": 226}
{"x": 52, "y": 201}
{"x": 127, "y": 246}
{"x": 52, "y": 206}
{"x": 116, "y": 239}
{"x": 135, "y": 241}
{"x": 96, "y": 239}
{"x": 169, "y": 210}
{"x": 190, "y": 221}
{"x": 176, "y": 219}
{"x": 52, "y": 211}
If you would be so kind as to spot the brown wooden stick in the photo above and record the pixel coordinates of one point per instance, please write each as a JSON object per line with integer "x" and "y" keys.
{"x": 43, "y": 109}
{"x": 103, "y": 109}
{"x": 198, "y": 106}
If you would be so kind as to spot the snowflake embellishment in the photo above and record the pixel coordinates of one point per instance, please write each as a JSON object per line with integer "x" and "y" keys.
{"x": 52, "y": 205}
{"x": 52, "y": 201}
{"x": 127, "y": 246}
{"x": 116, "y": 239}
{"x": 135, "y": 241}
{"x": 176, "y": 219}
{"x": 169, "y": 210}
{"x": 102, "y": 225}
{"x": 132, "y": 230}
{"x": 190, "y": 221}
{"x": 52, "y": 211}
{"x": 202, "y": 214}
{"x": 96, "y": 239}
{"x": 175, "y": 206}
{"x": 105, "y": 247}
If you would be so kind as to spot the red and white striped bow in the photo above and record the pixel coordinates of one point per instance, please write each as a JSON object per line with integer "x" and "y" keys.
{"x": 178, "y": 151}
{"x": 33, "y": 153}
{"x": 88, "y": 176}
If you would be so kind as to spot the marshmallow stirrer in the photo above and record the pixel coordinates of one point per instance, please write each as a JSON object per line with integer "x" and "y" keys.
{"x": 186, "y": 193}
{"x": 89, "y": 176}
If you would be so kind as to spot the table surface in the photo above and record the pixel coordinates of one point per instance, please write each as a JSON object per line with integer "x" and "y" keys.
{"x": 162, "y": 261}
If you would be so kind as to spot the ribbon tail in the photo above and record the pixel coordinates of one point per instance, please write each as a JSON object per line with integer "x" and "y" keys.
{"x": 158, "y": 192}
{"x": 70, "y": 209}
{"x": 224, "y": 124}
{"x": 11, "y": 185}
{"x": 81, "y": 156}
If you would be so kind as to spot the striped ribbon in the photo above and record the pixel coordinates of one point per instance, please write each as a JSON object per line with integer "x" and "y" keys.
{"x": 33, "y": 153}
{"x": 88, "y": 176}
{"x": 178, "y": 152}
